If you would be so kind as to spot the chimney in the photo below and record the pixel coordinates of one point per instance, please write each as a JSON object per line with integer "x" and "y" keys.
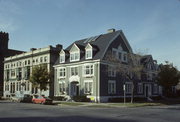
{"x": 59, "y": 46}
{"x": 111, "y": 30}
{"x": 4, "y": 39}
{"x": 32, "y": 49}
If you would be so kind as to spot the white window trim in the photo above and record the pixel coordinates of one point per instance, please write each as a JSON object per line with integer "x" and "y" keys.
{"x": 62, "y": 82}
{"x": 74, "y": 53}
{"x": 90, "y": 57}
{"x": 62, "y": 58}
{"x": 59, "y": 72}
{"x": 112, "y": 82}
{"x": 119, "y": 50}
{"x": 110, "y": 70}
{"x": 74, "y": 67}
{"x": 84, "y": 70}
{"x": 128, "y": 91}
{"x": 88, "y": 81}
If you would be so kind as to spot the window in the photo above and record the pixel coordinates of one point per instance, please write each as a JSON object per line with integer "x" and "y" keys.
{"x": 119, "y": 55}
{"x": 149, "y": 76}
{"x": 111, "y": 71}
{"x": 62, "y": 88}
{"x": 13, "y": 73}
{"x": 74, "y": 71}
{"x": 155, "y": 88}
{"x": 114, "y": 53}
{"x": 89, "y": 54}
{"x": 62, "y": 72}
{"x": 36, "y": 60}
{"x": 128, "y": 88}
{"x": 111, "y": 87}
{"x": 62, "y": 58}
{"x": 140, "y": 88}
{"x": 45, "y": 59}
{"x": 74, "y": 56}
{"x": 125, "y": 57}
{"x": 25, "y": 62}
{"x": 88, "y": 87}
{"x": 41, "y": 59}
{"x": 88, "y": 70}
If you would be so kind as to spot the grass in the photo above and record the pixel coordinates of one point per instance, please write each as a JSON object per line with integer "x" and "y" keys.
{"x": 71, "y": 103}
{"x": 135, "y": 104}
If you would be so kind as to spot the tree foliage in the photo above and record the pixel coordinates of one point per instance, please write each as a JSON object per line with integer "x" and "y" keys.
{"x": 40, "y": 77}
{"x": 168, "y": 76}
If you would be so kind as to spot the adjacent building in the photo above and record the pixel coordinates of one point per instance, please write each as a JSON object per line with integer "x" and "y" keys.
{"x": 17, "y": 70}
{"x": 5, "y": 52}
{"x": 83, "y": 69}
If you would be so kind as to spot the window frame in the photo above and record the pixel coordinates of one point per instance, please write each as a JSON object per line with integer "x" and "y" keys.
{"x": 91, "y": 70}
{"x": 111, "y": 86}
{"x": 89, "y": 90}
{"x": 63, "y": 71}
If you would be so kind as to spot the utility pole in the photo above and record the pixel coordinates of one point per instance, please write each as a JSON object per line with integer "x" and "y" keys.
{"x": 124, "y": 88}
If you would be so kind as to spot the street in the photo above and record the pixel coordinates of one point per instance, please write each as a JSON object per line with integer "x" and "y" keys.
{"x": 27, "y": 112}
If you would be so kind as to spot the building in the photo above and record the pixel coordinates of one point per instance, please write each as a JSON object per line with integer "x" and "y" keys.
{"x": 83, "y": 69}
{"x": 17, "y": 70}
{"x": 4, "y": 52}
{"x": 149, "y": 76}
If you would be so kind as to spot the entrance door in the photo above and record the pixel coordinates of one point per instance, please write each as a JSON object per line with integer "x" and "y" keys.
{"x": 147, "y": 90}
{"x": 74, "y": 89}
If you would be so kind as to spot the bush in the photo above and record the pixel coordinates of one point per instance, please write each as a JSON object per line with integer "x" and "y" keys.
{"x": 156, "y": 98}
{"x": 81, "y": 99}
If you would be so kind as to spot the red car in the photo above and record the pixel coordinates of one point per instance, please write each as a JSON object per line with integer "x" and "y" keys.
{"x": 41, "y": 100}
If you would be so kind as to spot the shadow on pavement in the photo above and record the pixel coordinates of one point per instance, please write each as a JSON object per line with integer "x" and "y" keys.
{"x": 62, "y": 119}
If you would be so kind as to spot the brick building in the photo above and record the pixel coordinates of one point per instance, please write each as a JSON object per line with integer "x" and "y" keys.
{"x": 5, "y": 52}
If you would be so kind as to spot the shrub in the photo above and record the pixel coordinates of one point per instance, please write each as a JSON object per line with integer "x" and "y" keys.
{"x": 81, "y": 99}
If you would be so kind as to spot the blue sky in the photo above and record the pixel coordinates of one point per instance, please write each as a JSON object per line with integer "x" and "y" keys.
{"x": 151, "y": 26}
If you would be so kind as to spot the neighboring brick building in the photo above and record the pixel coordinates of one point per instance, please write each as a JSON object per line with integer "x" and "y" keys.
{"x": 5, "y": 52}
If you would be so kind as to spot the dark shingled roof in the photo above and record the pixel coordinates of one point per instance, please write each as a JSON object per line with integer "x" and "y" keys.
{"x": 145, "y": 59}
{"x": 100, "y": 45}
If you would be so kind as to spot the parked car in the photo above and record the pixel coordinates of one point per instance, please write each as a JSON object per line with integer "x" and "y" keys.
{"x": 26, "y": 98}
{"x": 41, "y": 100}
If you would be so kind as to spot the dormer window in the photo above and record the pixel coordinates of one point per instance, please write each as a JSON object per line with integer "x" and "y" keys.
{"x": 89, "y": 51}
{"x": 89, "y": 54}
{"x": 74, "y": 56}
{"x": 62, "y": 56}
{"x": 74, "y": 53}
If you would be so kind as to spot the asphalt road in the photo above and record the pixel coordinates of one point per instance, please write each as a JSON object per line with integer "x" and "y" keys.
{"x": 26, "y": 112}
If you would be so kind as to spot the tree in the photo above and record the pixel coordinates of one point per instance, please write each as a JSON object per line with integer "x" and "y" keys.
{"x": 129, "y": 71}
{"x": 168, "y": 76}
{"x": 40, "y": 77}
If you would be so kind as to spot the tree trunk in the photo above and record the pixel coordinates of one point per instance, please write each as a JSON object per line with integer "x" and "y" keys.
{"x": 132, "y": 93}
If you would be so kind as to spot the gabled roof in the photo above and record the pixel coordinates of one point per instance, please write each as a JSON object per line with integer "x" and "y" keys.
{"x": 100, "y": 44}
{"x": 145, "y": 59}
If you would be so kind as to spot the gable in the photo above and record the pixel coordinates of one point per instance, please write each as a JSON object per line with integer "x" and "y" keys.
{"x": 118, "y": 44}
{"x": 74, "y": 48}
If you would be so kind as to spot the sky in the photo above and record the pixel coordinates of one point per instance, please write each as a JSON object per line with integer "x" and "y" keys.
{"x": 151, "y": 26}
